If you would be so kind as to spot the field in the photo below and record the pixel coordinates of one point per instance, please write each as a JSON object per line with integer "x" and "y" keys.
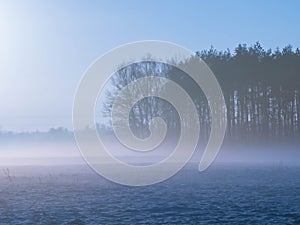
{"x": 224, "y": 194}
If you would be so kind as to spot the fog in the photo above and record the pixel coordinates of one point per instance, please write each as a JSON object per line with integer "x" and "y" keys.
{"x": 64, "y": 152}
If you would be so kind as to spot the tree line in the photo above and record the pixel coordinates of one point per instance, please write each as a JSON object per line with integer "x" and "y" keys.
{"x": 261, "y": 90}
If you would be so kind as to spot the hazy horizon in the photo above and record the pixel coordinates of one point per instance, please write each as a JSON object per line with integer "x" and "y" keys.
{"x": 46, "y": 47}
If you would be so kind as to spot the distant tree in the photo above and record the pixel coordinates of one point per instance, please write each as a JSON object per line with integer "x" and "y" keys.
{"x": 147, "y": 108}
{"x": 261, "y": 89}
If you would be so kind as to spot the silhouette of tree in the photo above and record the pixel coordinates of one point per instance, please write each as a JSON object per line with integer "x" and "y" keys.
{"x": 261, "y": 89}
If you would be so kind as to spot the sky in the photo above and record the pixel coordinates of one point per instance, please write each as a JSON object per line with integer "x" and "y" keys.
{"x": 46, "y": 46}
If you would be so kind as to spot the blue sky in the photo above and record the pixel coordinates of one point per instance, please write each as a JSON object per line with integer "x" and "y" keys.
{"x": 45, "y": 46}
